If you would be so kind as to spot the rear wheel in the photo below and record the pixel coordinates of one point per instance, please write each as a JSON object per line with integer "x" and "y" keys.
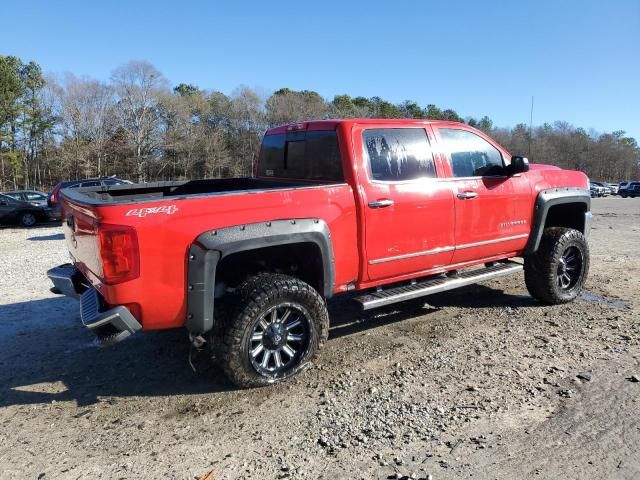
{"x": 557, "y": 271}
{"x": 27, "y": 219}
{"x": 277, "y": 326}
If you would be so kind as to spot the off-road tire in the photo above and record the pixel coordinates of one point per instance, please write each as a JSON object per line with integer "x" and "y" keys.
{"x": 27, "y": 219}
{"x": 542, "y": 269}
{"x": 252, "y": 299}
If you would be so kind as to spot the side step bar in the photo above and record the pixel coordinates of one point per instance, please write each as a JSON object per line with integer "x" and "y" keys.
{"x": 436, "y": 285}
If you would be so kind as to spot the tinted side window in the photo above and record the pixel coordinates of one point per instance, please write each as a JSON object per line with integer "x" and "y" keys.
{"x": 301, "y": 154}
{"x": 15, "y": 196}
{"x": 471, "y": 155}
{"x": 35, "y": 196}
{"x": 398, "y": 153}
{"x": 322, "y": 155}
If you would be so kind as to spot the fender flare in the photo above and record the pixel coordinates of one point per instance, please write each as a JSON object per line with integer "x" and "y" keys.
{"x": 212, "y": 246}
{"x": 550, "y": 198}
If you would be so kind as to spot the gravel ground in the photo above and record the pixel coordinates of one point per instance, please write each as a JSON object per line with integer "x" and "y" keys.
{"x": 482, "y": 382}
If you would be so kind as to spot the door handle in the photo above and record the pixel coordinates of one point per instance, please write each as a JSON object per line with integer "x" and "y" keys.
{"x": 381, "y": 203}
{"x": 467, "y": 195}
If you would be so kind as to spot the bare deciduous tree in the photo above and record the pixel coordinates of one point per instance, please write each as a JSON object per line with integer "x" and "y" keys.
{"x": 138, "y": 87}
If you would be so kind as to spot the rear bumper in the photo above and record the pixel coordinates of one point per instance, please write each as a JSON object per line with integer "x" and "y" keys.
{"x": 109, "y": 325}
{"x": 55, "y": 212}
{"x": 53, "y": 215}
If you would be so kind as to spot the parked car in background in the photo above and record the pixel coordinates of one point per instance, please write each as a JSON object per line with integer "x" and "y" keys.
{"x": 628, "y": 189}
{"x": 603, "y": 189}
{"x": 632, "y": 191}
{"x": 26, "y": 214}
{"x": 613, "y": 187}
{"x": 30, "y": 196}
{"x": 54, "y": 194}
{"x": 596, "y": 190}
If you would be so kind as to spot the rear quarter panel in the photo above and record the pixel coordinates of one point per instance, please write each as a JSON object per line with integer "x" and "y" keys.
{"x": 166, "y": 232}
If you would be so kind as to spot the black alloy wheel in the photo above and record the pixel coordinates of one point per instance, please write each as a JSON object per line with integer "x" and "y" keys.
{"x": 279, "y": 338}
{"x": 272, "y": 328}
{"x": 569, "y": 268}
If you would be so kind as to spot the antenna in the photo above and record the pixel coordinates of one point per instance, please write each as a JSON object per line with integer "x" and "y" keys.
{"x": 530, "y": 125}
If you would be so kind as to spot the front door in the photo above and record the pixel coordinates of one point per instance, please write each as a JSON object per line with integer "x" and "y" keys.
{"x": 7, "y": 206}
{"x": 408, "y": 212}
{"x": 493, "y": 210}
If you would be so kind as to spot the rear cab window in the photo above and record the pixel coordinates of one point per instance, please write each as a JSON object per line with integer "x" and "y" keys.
{"x": 313, "y": 155}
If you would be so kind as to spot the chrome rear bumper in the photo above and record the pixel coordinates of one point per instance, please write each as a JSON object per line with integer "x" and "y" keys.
{"x": 109, "y": 325}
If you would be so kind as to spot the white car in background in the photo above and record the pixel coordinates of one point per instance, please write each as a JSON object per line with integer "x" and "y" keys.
{"x": 597, "y": 190}
{"x": 613, "y": 187}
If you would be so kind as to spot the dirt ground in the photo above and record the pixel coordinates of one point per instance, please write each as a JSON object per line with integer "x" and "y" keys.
{"x": 482, "y": 382}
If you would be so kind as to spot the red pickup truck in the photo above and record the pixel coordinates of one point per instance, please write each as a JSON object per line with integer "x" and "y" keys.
{"x": 380, "y": 210}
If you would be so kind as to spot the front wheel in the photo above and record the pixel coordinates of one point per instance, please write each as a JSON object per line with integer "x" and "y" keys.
{"x": 278, "y": 325}
{"x": 557, "y": 271}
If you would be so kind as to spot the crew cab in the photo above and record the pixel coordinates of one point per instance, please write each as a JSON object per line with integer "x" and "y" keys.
{"x": 377, "y": 210}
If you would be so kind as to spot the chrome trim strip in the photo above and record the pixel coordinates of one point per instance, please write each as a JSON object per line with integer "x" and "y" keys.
{"x": 489, "y": 242}
{"x": 446, "y": 249}
{"x": 411, "y": 255}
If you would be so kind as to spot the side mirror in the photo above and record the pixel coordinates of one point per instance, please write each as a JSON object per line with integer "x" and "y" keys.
{"x": 518, "y": 165}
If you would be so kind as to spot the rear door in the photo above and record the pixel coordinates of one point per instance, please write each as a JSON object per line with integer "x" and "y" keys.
{"x": 493, "y": 211}
{"x": 408, "y": 212}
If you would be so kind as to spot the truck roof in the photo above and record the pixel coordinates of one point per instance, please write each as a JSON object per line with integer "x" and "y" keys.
{"x": 334, "y": 122}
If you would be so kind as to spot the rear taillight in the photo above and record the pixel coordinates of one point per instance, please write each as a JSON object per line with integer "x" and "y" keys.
{"x": 53, "y": 198}
{"x": 119, "y": 252}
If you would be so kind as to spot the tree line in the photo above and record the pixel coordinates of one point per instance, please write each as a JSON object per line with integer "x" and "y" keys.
{"x": 136, "y": 126}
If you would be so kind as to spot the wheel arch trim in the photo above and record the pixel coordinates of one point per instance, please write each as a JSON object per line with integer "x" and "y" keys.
{"x": 214, "y": 245}
{"x": 550, "y": 198}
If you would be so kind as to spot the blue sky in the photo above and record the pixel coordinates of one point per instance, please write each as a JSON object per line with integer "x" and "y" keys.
{"x": 580, "y": 59}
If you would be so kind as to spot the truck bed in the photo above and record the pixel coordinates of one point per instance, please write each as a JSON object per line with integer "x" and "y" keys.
{"x": 135, "y": 193}
{"x": 168, "y": 217}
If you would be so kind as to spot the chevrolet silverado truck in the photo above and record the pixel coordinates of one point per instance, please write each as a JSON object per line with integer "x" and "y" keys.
{"x": 377, "y": 210}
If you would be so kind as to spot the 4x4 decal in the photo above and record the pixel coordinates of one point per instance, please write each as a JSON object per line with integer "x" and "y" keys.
{"x": 143, "y": 212}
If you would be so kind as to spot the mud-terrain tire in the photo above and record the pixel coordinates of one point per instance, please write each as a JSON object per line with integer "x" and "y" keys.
{"x": 27, "y": 219}
{"x": 556, "y": 273}
{"x": 274, "y": 317}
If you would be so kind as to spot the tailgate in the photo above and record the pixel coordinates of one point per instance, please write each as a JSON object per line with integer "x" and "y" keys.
{"x": 79, "y": 223}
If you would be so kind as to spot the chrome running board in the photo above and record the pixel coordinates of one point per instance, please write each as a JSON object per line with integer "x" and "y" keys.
{"x": 438, "y": 284}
